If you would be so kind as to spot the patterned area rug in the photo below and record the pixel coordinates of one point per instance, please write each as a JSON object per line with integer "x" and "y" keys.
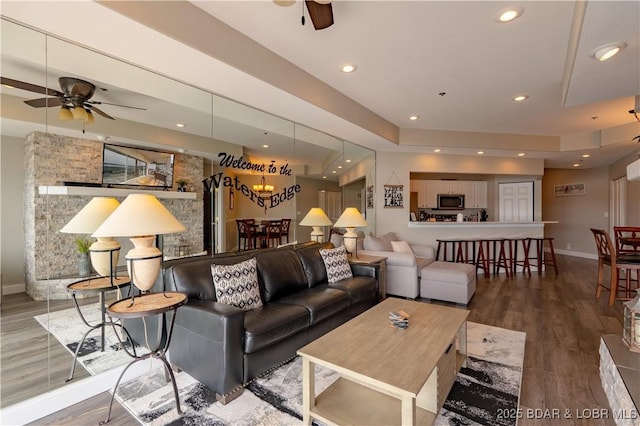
{"x": 487, "y": 386}
{"x": 67, "y": 327}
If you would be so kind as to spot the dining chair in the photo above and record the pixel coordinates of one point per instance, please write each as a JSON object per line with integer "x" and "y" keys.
{"x": 284, "y": 229}
{"x": 273, "y": 231}
{"x": 245, "y": 232}
{"x": 607, "y": 256}
{"x": 627, "y": 239}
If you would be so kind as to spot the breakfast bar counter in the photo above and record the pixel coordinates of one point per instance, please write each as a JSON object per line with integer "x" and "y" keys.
{"x": 429, "y": 232}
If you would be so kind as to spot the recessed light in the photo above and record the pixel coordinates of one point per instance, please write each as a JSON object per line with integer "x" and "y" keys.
{"x": 180, "y": 125}
{"x": 586, "y": 155}
{"x": 324, "y": 177}
{"x": 339, "y": 167}
{"x": 348, "y": 68}
{"x": 436, "y": 150}
{"x": 480, "y": 152}
{"x": 333, "y": 171}
{"x": 607, "y": 51}
{"x": 509, "y": 14}
{"x": 414, "y": 117}
{"x": 265, "y": 146}
{"x": 521, "y": 154}
{"x": 520, "y": 98}
{"x": 576, "y": 164}
{"x": 348, "y": 161}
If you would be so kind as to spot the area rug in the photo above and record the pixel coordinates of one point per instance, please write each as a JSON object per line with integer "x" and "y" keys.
{"x": 67, "y": 327}
{"x": 488, "y": 386}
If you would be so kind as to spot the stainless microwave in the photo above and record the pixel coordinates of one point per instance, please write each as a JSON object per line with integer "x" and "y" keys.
{"x": 450, "y": 201}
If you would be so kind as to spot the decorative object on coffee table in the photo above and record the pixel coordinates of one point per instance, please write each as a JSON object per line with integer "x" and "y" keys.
{"x": 631, "y": 327}
{"x": 351, "y": 218}
{"x": 141, "y": 217}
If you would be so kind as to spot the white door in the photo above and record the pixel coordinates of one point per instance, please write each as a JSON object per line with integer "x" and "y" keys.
{"x": 516, "y": 202}
{"x": 618, "y": 205}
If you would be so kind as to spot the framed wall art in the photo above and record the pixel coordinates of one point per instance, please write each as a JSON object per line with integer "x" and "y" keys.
{"x": 370, "y": 196}
{"x": 568, "y": 190}
{"x": 393, "y": 196}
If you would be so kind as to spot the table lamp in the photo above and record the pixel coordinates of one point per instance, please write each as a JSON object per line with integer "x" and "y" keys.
{"x": 316, "y": 218}
{"x": 105, "y": 251}
{"x": 141, "y": 217}
{"x": 350, "y": 219}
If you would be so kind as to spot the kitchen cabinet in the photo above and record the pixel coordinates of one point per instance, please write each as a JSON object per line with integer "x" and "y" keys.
{"x": 475, "y": 192}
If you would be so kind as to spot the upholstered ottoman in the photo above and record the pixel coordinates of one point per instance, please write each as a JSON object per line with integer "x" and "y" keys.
{"x": 448, "y": 281}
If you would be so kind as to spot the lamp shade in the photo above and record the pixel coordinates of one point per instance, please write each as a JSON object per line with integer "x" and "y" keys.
{"x": 106, "y": 251}
{"x": 91, "y": 216}
{"x": 350, "y": 218}
{"x": 139, "y": 214}
{"x": 316, "y": 217}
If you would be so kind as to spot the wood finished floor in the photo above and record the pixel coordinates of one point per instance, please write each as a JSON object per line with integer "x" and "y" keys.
{"x": 563, "y": 322}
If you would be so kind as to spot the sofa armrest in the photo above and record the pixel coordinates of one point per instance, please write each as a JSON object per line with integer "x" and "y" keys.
{"x": 359, "y": 270}
{"x": 423, "y": 250}
{"x": 207, "y": 344}
{"x": 393, "y": 258}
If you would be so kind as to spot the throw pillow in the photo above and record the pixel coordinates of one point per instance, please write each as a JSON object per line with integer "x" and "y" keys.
{"x": 401, "y": 247}
{"x": 380, "y": 244}
{"x": 237, "y": 284}
{"x": 336, "y": 263}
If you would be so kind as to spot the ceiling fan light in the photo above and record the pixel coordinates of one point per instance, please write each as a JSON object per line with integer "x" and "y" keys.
{"x": 79, "y": 113}
{"x": 90, "y": 118}
{"x": 65, "y": 113}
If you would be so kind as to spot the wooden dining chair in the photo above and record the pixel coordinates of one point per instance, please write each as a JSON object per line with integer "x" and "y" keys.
{"x": 607, "y": 256}
{"x": 284, "y": 229}
{"x": 627, "y": 239}
{"x": 245, "y": 232}
{"x": 273, "y": 231}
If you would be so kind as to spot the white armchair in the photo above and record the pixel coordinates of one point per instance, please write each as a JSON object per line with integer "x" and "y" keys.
{"x": 403, "y": 269}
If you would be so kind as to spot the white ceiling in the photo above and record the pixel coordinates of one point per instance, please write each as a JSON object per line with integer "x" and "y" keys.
{"x": 409, "y": 52}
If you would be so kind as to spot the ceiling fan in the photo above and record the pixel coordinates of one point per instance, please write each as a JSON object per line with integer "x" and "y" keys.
{"x": 320, "y": 12}
{"x": 74, "y": 99}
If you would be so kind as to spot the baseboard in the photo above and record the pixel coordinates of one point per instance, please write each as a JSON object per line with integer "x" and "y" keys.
{"x": 13, "y": 288}
{"x": 577, "y": 254}
{"x": 58, "y": 399}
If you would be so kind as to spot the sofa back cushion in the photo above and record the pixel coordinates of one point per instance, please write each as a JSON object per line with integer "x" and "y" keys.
{"x": 313, "y": 264}
{"x": 193, "y": 276}
{"x": 280, "y": 273}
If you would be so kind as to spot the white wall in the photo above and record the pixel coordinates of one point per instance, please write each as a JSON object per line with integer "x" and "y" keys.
{"x": 11, "y": 220}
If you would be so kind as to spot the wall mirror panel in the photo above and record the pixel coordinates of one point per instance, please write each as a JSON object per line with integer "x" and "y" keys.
{"x": 219, "y": 146}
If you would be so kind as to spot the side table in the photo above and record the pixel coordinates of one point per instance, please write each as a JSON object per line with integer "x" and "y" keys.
{"x": 89, "y": 287}
{"x": 380, "y": 265}
{"x": 143, "y": 306}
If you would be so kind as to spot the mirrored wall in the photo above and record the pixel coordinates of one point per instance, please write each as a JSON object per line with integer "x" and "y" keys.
{"x": 221, "y": 151}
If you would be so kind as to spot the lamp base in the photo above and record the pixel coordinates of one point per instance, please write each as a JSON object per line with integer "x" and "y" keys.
{"x": 104, "y": 255}
{"x": 317, "y": 235}
{"x": 350, "y": 240}
{"x": 143, "y": 262}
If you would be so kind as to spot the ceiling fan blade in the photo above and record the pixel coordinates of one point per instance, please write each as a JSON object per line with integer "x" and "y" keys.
{"x": 321, "y": 14}
{"x": 30, "y": 87}
{"x": 102, "y": 113}
{"x": 44, "y": 102}
{"x": 118, "y": 105}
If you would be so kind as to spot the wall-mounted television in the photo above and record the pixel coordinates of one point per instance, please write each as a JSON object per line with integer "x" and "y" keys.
{"x": 131, "y": 166}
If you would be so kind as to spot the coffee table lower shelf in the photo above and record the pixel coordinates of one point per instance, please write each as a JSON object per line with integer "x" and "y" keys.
{"x": 348, "y": 403}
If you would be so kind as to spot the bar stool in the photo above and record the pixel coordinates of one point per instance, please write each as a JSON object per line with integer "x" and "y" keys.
{"x": 445, "y": 247}
{"x": 513, "y": 250}
{"x": 540, "y": 260}
{"x": 493, "y": 254}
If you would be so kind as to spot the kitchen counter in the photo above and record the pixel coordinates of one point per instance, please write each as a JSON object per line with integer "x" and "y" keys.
{"x": 429, "y": 232}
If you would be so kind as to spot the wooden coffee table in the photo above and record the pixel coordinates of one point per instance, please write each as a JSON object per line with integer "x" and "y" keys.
{"x": 388, "y": 375}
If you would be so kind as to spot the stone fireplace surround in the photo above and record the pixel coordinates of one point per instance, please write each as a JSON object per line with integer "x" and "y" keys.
{"x": 51, "y": 260}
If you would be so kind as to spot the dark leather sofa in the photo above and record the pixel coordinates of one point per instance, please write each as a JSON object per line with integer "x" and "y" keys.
{"x": 225, "y": 347}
